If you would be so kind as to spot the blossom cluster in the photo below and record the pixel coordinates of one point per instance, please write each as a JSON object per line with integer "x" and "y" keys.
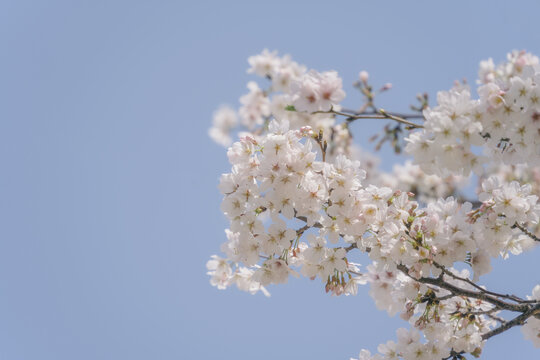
{"x": 427, "y": 187}
{"x": 277, "y": 180}
{"x": 504, "y": 121}
{"x": 291, "y": 85}
{"x": 300, "y": 198}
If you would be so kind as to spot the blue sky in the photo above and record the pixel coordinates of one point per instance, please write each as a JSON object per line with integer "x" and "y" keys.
{"x": 109, "y": 205}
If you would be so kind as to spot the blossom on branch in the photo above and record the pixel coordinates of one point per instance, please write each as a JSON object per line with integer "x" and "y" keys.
{"x": 301, "y": 198}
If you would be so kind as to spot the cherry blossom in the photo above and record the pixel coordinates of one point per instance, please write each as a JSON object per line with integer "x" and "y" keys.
{"x": 301, "y": 198}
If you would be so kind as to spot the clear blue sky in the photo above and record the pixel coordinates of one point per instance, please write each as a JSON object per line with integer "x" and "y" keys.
{"x": 109, "y": 208}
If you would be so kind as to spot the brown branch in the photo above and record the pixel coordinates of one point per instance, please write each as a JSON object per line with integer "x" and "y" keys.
{"x": 518, "y": 320}
{"x": 454, "y": 355}
{"x": 496, "y": 318}
{"x": 445, "y": 297}
{"x": 526, "y": 231}
{"x": 381, "y": 115}
{"x": 351, "y": 247}
{"x": 401, "y": 115}
{"x": 300, "y": 231}
{"x": 527, "y": 310}
{"x": 399, "y": 119}
{"x": 485, "y": 312}
{"x": 468, "y": 281}
{"x": 317, "y": 225}
{"x": 468, "y": 293}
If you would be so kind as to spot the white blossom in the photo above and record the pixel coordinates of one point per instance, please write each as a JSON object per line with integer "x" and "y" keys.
{"x": 298, "y": 200}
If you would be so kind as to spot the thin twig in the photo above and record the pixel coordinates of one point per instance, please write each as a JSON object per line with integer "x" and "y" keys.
{"x": 518, "y": 320}
{"x": 485, "y": 312}
{"x": 445, "y": 297}
{"x": 399, "y": 119}
{"x": 482, "y": 295}
{"x": 351, "y": 247}
{"x": 454, "y": 355}
{"x": 381, "y": 115}
{"x": 401, "y": 115}
{"x": 300, "y": 231}
{"x": 506, "y": 296}
{"x": 317, "y": 225}
{"x": 526, "y": 231}
{"x": 497, "y": 318}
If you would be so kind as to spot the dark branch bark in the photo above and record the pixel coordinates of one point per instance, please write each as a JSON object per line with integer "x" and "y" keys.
{"x": 518, "y": 320}
{"x": 372, "y": 115}
{"x": 401, "y": 115}
{"x": 527, "y": 308}
{"x": 468, "y": 293}
{"x": 526, "y": 231}
{"x": 468, "y": 281}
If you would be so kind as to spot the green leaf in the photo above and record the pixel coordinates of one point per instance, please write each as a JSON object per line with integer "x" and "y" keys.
{"x": 290, "y": 108}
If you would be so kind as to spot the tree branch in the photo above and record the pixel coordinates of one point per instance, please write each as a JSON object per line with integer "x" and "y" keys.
{"x": 527, "y": 310}
{"x": 518, "y": 320}
{"x": 372, "y": 115}
{"x": 468, "y": 281}
{"x": 526, "y": 231}
{"x": 401, "y": 115}
{"x": 464, "y": 292}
